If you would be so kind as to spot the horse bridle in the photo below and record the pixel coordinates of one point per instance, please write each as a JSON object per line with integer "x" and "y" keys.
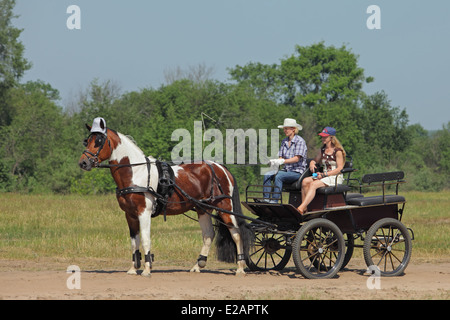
{"x": 93, "y": 157}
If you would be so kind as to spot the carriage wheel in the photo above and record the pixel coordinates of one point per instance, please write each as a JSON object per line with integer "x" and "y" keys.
{"x": 271, "y": 251}
{"x": 319, "y": 249}
{"x": 388, "y": 246}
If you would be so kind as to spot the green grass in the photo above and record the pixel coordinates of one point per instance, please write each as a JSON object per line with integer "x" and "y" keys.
{"x": 76, "y": 227}
{"x": 428, "y": 214}
{"x": 93, "y": 227}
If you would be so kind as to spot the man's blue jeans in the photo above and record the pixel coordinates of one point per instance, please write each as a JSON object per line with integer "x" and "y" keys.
{"x": 280, "y": 178}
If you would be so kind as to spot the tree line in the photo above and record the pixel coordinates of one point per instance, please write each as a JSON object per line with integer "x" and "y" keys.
{"x": 318, "y": 85}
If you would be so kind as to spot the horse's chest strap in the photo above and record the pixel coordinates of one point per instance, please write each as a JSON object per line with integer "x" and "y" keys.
{"x": 124, "y": 191}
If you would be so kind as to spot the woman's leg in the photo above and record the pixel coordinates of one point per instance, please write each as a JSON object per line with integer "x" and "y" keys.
{"x": 309, "y": 196}
{"x": 306, "y": 183}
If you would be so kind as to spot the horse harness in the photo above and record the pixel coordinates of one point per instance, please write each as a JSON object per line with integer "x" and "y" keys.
{"x": 163, "y": 191}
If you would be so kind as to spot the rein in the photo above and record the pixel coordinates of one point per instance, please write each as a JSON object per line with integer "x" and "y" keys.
{"x": 101, "y": 165}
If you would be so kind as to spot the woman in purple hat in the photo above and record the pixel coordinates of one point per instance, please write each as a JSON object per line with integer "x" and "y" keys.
{"x": 332, "y": 158}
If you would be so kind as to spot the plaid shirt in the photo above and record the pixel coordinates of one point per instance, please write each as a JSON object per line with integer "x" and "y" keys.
{"x": 297, "y": 148}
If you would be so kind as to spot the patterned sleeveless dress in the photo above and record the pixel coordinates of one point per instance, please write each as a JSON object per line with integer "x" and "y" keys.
{"x": 329, "y": 163}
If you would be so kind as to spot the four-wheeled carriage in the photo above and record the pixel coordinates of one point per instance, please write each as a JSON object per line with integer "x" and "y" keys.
{"x": 322, "y": 241}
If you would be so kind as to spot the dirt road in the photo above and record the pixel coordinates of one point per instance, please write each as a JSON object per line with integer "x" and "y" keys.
{"x": 43, "y": 280}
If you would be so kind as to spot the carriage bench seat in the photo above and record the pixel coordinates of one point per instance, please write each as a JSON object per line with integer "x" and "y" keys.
{"x": 375, "y": 200}
{"x": 383, "y": 179}
{"x": 353, "y": 195}
{"x": 340, "y": 188}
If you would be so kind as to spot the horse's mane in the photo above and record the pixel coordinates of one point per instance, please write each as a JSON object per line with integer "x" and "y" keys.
{"x": 131, "y": 139}
{"x": 125, "y": 135}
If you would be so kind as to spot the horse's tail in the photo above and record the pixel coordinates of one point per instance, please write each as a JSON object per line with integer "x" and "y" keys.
{"x": 226, "y": 247}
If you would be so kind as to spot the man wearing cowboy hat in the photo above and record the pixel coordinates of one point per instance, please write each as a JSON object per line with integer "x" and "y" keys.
{"x": 293, "y": 155}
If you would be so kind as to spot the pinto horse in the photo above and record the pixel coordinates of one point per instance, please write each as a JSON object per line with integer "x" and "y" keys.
{"x": 201, "y": 186}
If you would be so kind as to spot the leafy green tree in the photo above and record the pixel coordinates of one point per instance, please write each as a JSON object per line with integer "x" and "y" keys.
{"x": 383, "y": 128}
{"x": 12, "y": 63}
{"x": 344, "y": 117}
{"x": 321, "y": 84}
{"x": 96, "y": 101}
{"x": 31, "y": 140}
{"x": 443, "y": 156}
{"x": 312, "y": 75}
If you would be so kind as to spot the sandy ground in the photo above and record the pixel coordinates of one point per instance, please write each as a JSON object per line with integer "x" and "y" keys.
{"x": 24, "y": 280}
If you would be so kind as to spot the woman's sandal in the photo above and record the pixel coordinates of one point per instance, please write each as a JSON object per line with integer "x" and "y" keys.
{"x": 301, "y": 212}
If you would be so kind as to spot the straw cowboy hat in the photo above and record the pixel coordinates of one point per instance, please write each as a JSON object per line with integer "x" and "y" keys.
{"x": 290, "y": 123}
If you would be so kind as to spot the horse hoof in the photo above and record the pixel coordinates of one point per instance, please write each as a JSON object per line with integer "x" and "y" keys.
{"x": 132, "y": 272}
{"x": 195, "y": 269}
{"x": 240, "y": 273}
{"x": 146, "y": 274}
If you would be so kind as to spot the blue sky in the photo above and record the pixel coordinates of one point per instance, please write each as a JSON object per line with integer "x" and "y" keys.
{"x": 133, "y": 42}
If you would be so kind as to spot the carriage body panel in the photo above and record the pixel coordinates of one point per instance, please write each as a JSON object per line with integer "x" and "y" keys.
{"x": 359, "y": 219}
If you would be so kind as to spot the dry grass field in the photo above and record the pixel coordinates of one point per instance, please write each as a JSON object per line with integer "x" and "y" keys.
{"x": 40, "y": 235}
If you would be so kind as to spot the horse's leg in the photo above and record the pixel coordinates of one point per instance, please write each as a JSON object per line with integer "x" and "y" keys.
{"x": 145, "y": 222}
{"x": 208, "y": 237}
{"x": 233, "y": 227}
{"x": 133, "y": 225}
{"x": 235, "y": 234}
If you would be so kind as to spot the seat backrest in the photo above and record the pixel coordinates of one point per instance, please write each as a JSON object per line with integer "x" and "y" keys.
{"x": 383, "y": 177}
{"x": 347, "y": 173}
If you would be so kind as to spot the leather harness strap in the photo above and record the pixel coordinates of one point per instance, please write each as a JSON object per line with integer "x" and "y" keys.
{"x": 164, "y": 190}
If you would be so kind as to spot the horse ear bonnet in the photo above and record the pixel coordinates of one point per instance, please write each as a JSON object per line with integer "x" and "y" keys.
{"x": 99, "y": 125}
